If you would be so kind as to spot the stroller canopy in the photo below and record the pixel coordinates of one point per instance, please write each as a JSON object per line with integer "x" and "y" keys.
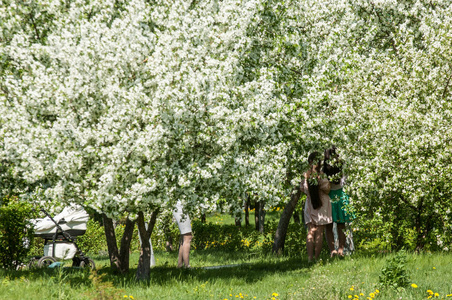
{"x": 73, "y": 217}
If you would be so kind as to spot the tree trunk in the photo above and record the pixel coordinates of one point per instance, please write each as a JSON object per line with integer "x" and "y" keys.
{"x": 256, "y": 214}
{"x": 144, "y": 262}
{"x": 261, "y": 216}
{"x": 124, "y": 249}
{"x": 238, "y": 221}
{"x": 119, "y": 260}
{"x": 167, "y": 233}
{"x": 203, "y": 218}
{"x": 169, "y": 244}
{"x": 115, "y": 262}
{"x": 247, "y": 212}
{"x": 281, "y": 231}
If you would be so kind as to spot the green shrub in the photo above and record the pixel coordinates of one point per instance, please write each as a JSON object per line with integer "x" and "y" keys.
{"x": 93, "y": 241}
{"x": 232, "y": 238}
{"x": 394, "y": 273}
{"x": 206, "y": 236}
{"x": 295, "y": 242}
{"x": 16, "y": 232}
{"x": 224, "y": 237}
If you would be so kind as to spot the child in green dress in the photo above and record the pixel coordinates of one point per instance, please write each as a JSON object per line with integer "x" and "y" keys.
{"x": 340, "y": 202}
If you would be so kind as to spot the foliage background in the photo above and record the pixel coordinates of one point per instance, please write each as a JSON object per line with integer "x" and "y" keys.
{"x": 205, "y": 101}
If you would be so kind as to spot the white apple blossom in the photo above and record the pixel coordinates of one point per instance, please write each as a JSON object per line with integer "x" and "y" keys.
{"x": 126, "y": 105}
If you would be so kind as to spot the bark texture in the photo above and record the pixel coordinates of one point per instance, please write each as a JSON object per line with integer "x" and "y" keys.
{"x": 247, "y": 211}
{"x": 261, "y": 217}
{"x": 119, "y": 260}
{"x": 144, "y": 262}
{"x": 124, "y": 249}
{"x": 281, "y": 231}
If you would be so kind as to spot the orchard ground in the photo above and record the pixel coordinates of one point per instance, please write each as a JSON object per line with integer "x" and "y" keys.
{"x": 257, "y": 277}
{"x": 220, "y": 274}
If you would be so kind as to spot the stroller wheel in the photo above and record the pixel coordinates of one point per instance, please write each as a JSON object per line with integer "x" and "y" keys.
{"x": 88, "y": 262}
{"x": 33, "y": 263}
{"x": 76, "y": 262}
{"x": 46, "y": 261}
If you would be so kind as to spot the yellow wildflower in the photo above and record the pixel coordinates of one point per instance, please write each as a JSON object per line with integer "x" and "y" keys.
{"x": 434, "y": 268}
{"x": 350, "y": 296}
{"x": 413, "y": 285}
{"x": 377, "y": 291}
{"x": 372, "y": 295}
{"x": 275, "y": 294}
{"x": 436, "y": 295}
{"x": 430, "y": 292}
{"x": 352, "y": 289}
{"x": 361, "y": 294}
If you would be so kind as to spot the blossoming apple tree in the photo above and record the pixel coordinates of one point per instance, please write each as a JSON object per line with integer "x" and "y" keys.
{"x": 387, "y": 77}
{"x": 126, "y": 107}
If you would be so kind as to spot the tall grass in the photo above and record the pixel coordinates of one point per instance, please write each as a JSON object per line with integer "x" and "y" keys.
{"x": 255, "y": 277}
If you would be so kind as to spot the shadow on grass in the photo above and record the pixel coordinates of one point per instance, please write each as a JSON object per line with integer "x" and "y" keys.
{"x": 248, "y": 272}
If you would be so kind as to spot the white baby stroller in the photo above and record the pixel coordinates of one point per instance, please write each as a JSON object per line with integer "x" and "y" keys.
{"x": 59, "y": 234}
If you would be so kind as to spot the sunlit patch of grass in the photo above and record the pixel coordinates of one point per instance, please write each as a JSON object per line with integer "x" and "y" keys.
{"x": 246, "y": 277}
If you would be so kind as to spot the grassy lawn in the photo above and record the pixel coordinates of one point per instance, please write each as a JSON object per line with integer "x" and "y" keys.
{"x": 247, "y": 274}
{"x": 257, "y": 277}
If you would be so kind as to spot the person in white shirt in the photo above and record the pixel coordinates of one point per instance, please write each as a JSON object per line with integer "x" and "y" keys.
{"x": 184, "y": 223}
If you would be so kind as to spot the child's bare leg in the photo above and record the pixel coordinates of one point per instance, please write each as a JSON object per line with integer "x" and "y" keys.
{"x": 330, "y": 238}
{"x": 310, "y": 241}
{"x": 184, "y": 250}
{"x": 319, "y": 240}
{"x": 180, "y": 260}
{"x": 341, "y": 236}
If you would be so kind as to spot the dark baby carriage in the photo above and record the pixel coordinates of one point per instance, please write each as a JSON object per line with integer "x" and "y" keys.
{"x": 59, "y": 234}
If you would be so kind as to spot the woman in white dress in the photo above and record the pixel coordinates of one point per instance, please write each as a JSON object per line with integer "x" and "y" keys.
{"x": 184, "y": 223}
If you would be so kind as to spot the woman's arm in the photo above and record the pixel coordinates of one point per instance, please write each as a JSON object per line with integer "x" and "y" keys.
{"x": 303, "y": 183}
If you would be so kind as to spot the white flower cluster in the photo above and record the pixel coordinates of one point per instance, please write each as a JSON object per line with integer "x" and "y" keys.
{"x": 123, "y": 105}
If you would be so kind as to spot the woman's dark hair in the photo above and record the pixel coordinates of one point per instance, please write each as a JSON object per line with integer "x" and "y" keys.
{"x": 332, "y": 165}
{"x": 313, "y": 185}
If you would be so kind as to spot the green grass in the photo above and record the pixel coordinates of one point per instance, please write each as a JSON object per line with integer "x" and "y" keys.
{"x": 258, "y": 276}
